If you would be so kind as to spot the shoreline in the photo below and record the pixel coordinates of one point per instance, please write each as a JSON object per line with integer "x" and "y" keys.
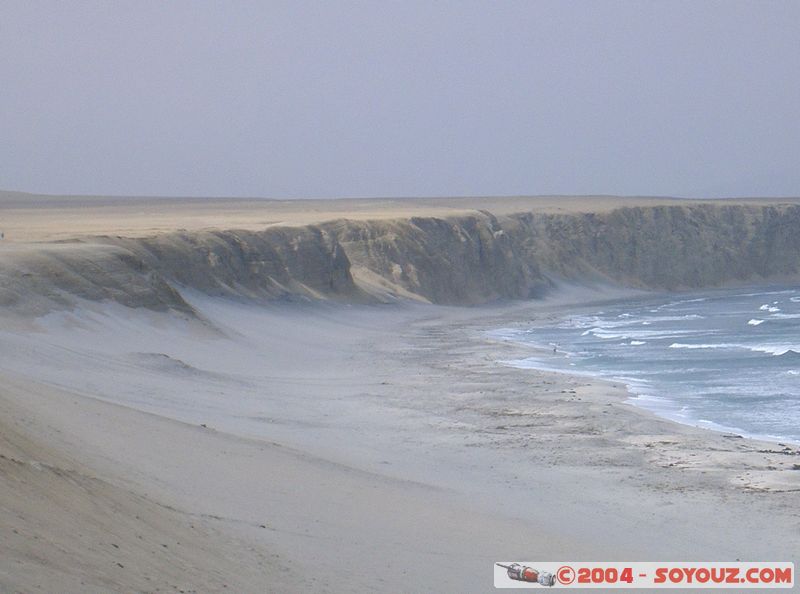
{"x": 634, "y": 392}
{"x": 632, "y": 395}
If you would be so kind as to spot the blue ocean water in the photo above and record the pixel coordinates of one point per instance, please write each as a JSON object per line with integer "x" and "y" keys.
{"x": 726, "y": 359}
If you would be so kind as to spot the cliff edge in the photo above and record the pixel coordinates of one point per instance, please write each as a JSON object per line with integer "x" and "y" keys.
{"x": 459, "y": 259}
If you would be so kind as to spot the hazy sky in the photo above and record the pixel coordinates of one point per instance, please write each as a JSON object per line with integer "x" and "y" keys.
{"x": 327, "y": 98}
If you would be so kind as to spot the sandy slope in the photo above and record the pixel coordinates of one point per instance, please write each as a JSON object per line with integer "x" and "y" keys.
{"x": 67, "y": 528}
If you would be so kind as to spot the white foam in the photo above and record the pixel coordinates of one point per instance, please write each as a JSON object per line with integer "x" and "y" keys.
{"x": 638, "y": 334}
{"x": 720, "y": 345}
{"x": 637, "y": 342}
{"x": 771, "y": 349}
{"x": 782, "y": 292}
{"x": 540, "y": 365}
{"x": 631, "y": 321}
{"x": 755, "y": 322}
{"x": 682, "y": 301}
{"x": 776, "y": 349}
{"x": 504, "y": 333}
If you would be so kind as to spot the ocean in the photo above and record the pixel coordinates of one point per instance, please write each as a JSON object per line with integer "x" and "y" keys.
{"x": 726, "y": 359}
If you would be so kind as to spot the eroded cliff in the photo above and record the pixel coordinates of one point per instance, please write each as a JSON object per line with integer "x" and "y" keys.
{"x": 460, "y": 260}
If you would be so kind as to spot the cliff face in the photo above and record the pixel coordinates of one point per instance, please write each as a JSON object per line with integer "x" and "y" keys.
{"x": 279, "y": 262}
{"x": 35, "y": 279}
{"x": 459, "y": 260}
{"x": 667, "y": 247}
{"x": 479, "y": 258}
{"x": 467, "y": 260}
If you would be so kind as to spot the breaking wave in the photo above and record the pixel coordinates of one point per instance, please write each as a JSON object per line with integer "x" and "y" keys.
{"x": 776, "y": 350}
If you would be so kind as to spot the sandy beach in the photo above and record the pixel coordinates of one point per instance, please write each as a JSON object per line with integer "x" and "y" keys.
{"x": 320, "y": 445}
{"x": 417, "y": 451}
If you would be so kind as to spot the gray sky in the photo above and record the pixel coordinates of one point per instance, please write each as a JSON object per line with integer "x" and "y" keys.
{"x": 300, "y": 99}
